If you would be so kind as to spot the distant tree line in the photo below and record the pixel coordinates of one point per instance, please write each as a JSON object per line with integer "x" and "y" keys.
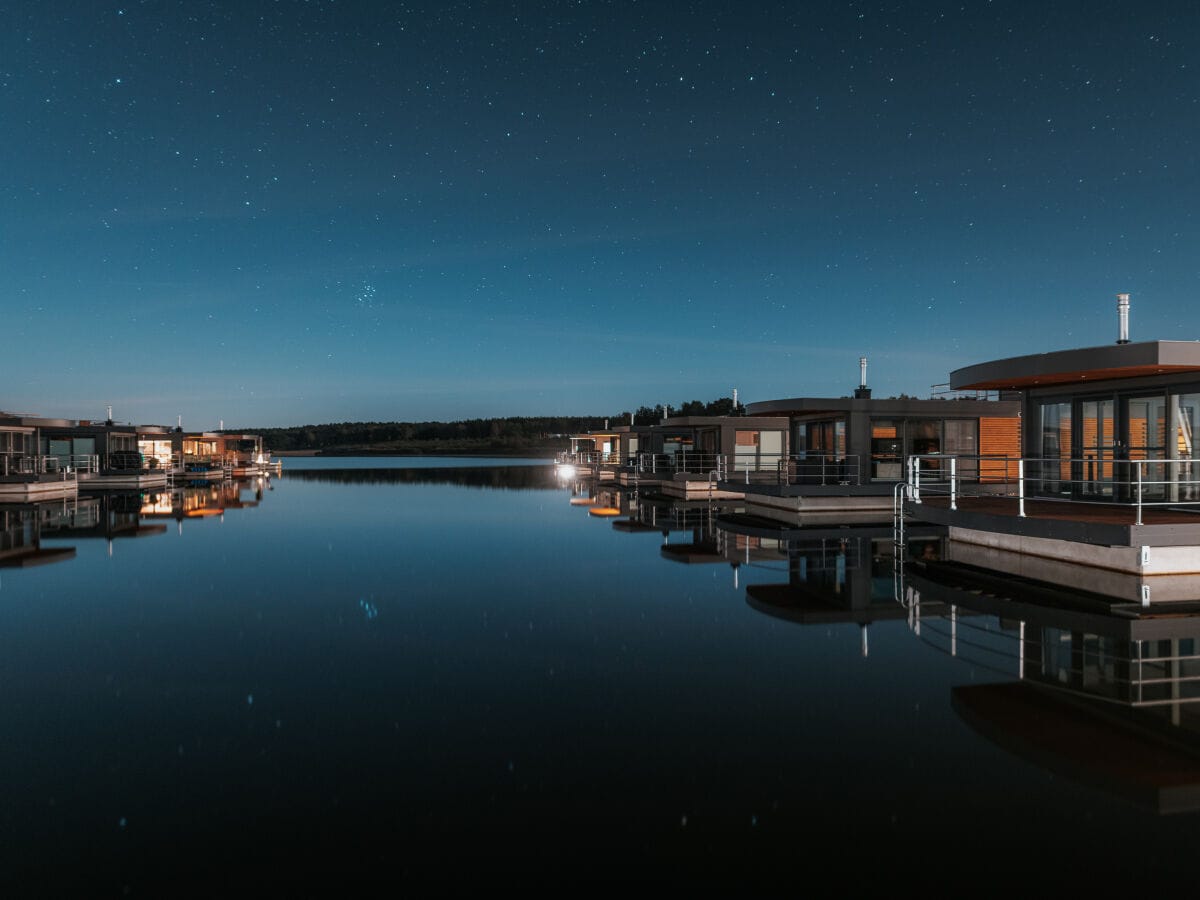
{"x": 510, "y": 434}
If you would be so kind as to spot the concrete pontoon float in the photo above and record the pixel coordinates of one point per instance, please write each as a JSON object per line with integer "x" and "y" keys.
{"x": 1107, "y": 486}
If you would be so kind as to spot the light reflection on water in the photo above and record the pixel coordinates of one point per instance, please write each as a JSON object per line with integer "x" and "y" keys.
{"x": 361, "y": 671}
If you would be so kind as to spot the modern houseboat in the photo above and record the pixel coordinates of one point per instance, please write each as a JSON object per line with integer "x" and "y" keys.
{"x": 707, "y": 457}
{"x": 848, "y": 453}
{"x": 1107, "y": 480}
{"x": 602, "y": 453}
{"x": 202, "y": 455}
{"x": 25, "y": 472}
{"x": 103, "y": 455}
{"x": 246, "y": 456}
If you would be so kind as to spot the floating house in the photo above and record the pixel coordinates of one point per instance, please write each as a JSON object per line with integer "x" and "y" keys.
{"x": 849, "y": 453}
{"x": 25, "y": 472}
{"x": 246, "y": 456}
{"x": 602, "y": 453}
{"x": 105, "y": 454}
{"x": 708, "y": 457}
{"x": 41, "y": 454}
{"x": 202, "y": 455}
{"x": 1107, "y": 478}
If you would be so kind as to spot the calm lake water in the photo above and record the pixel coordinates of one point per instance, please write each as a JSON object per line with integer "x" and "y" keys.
{"x": 373, "y": 671}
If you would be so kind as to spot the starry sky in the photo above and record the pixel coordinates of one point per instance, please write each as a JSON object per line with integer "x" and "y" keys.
{"x": 275, "y": 213}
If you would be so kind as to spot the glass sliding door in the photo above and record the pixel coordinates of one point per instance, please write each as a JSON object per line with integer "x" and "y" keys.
{"x": 1055, "y": 429}
{"x": 1097, "y": 448}
{"x": 1184, "y": 429}
{"x": 1145, "y": 439}
{"x": 823, "y": 458}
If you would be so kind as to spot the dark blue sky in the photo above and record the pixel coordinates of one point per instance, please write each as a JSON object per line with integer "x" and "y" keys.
{"x": 290, "y": 212}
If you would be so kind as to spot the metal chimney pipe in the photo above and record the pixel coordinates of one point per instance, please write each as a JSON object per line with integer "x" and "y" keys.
{"x": 1122, "y": 318}
{"x": 862, "y": 392}
{"x": 735, "y": 398}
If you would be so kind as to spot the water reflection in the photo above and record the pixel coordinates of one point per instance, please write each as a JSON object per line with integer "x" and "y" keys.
{"x": 515, "y": 478}
{"x": 200, "y": 500}
{"x": 1097, "y": 691}
{"x": 843, "y": 575}
{"x": 110, "y": 515}
{"x": 22, "y": 526}
{"x": 348, "y": 675}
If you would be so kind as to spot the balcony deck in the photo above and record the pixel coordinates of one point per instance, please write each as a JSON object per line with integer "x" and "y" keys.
{"x": 1109, "y": 524}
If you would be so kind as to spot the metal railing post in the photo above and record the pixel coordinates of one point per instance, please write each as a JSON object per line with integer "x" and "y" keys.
{"x": 953, "y": 485}
{"x": 916, "y": 479}
{"x": 1138, "y": 463}
{"x": 1021, "y": 488}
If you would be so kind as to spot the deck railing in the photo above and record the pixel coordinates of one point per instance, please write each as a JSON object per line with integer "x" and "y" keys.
{"x": 1137, "y": 483}
{"x": 709, "y": 465}
{"x": 587, "y": 458}
{"x": 23, "y": 464}
{"x": 819, "y": 469}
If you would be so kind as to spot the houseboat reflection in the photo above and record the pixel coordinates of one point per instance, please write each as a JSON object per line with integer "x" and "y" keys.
{"x": 22, "y": 526}
{"x": 827, "y": 575}
{"x": 1096, "y": 691}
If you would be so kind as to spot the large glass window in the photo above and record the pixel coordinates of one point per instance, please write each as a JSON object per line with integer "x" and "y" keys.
{"x": 1055, "y": 429}
{"x": 887, "y": 463}
{"x": 1185, "y": 415}
{"x": 745, "y": 451}
{"x": 770, "y": 449}
{"x": 960, "y": 438}
{"x": 821, "y": 452}
{"x": 894, "y": 440}
{"x": 1145, "y": 420}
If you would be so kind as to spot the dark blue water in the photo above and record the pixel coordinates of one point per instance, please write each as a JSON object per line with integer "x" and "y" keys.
{"x": 466, "y": 677}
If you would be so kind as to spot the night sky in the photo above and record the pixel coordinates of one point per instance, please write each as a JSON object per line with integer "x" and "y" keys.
{"x": 275, "y": 213}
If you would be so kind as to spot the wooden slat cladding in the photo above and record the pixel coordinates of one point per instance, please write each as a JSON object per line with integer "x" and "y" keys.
{"x": 999, "y": 437}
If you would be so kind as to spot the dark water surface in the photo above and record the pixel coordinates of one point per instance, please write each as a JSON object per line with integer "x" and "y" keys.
{"x": 467, "y": 677}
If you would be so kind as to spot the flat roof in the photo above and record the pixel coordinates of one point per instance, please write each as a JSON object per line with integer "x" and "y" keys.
{"x": 1063, "y": 367}
{"x": 700, "y": 421}
{"x": 809, "y": 406}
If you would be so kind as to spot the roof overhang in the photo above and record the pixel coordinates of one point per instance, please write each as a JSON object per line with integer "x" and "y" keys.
{"x": 716, "y": 421}
{"x": 1074, "y": 367}
{"x": 797, "y": 407}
